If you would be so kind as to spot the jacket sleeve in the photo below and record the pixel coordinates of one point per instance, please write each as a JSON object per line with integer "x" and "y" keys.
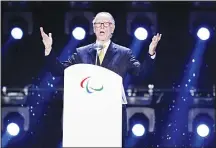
{"x": 136, "y": 68}
{"x": 57, "y": 67}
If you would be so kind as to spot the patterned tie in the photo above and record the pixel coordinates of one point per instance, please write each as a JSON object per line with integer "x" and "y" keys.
{"x": 101, "y": 55}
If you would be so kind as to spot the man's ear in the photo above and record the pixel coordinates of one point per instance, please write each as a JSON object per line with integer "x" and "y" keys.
{"x": 113, "y": 28}
{"x": 93, "y": 29}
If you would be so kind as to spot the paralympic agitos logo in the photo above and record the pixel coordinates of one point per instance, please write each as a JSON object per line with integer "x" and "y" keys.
{"x": 85, "y": 83}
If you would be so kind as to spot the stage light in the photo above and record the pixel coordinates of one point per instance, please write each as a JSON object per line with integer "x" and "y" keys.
{"x": 141, "y": 33}
{"x": 140, "y": 121}
{"x": 17, "y": 33}
{"x": 202, "y": 24}
{"x": 79, "y": 33}
{"x": 138, "y": 130}
{"x": 79, "y": 24}
{"x": 14, "y": 123}
{"x": 203, "y": 33}
{"x": 204, "y": 125}
{"x": 201, "y": 123}
{"x": 144, "y": 96}
{"x": 13, "y": 116}
{"x": 203, "y": 130}
{"x": 14, "y": 21}
{"x": 13, "y": 129}
{"x": 141, "y": 24}
{"x": 138, "y": 124}
{"x": 17, "y": 97}
{"x": 201, "y": 120}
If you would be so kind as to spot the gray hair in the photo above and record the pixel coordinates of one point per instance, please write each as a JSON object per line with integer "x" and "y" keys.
{"x": 106, "y": 13}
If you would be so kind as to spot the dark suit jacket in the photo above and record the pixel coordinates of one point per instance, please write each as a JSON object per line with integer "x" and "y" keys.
{"x": 118, "y": 59}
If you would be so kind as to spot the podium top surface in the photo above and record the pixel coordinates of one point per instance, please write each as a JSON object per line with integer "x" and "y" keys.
{"x": 90, "y": 67}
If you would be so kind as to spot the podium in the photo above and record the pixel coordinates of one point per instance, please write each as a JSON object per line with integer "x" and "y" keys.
{"x": 92, "y": 109}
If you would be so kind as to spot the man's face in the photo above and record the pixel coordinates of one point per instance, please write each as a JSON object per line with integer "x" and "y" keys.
{"x": 103, "y": 27}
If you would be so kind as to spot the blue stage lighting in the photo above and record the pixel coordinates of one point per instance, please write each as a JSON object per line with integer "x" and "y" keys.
{"x": 17, "y": 33}
{"x": 13, "y": 129}
{"x": 138, "y": 130}
{"x": 141, "y": 33}
{"x": 60, "y": 145}
{"x": 203, "y": 33}
{"x": 13, "y": 123}
{"x": 138, "y": 125}
{"x": 203, "y": 130}
{"x": 204, "y": 125}
{"x": 79, "y": 33}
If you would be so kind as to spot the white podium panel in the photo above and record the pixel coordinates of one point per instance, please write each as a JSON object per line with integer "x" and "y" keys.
{"x": 92, "y": 111}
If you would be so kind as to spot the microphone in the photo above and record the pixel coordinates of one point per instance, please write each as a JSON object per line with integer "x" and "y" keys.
{"x": 97, "y": 47}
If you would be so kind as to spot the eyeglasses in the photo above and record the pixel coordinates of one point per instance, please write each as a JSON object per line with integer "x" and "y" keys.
{"x": 105, "y": 24}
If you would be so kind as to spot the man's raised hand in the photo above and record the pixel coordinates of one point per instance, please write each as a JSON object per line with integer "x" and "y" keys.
{"x": 47, "y": 41}
{"x": 153, "y": 45}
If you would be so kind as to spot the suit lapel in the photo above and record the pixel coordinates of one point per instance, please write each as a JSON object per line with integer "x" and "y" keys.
{"x": 92, "y": 54}
{"x": 111, "y": 51}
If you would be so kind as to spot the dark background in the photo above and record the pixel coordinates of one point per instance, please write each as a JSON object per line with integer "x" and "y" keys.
{"x": 23, "y": 61}
{"x": 173, "y": 51}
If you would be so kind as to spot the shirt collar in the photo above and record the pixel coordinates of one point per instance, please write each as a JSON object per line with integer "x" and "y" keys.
{"x": 106, "y": 44}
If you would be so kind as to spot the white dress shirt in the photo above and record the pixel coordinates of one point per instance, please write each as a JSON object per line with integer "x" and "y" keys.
{"x": 106, "y": 44}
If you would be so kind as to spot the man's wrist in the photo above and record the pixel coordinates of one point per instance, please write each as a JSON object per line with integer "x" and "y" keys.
{"x": 47, "y": 51}
{"x": 152, "y": 54}
{"x": 48, "y": 48}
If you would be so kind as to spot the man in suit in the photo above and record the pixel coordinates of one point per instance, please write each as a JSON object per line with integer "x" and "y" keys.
{"x": 112, "y": 56}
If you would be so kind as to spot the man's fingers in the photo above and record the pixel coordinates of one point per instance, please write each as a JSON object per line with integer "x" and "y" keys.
{"x": 160, "y": 36}
{"x": 43, "y": 34}
{"x": 50, "y": 35}
{"x": 41, "y": 29}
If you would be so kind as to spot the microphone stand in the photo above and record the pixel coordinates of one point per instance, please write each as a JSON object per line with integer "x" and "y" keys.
{"x": 97, "y": 48}
{"x": 96, "y": 57}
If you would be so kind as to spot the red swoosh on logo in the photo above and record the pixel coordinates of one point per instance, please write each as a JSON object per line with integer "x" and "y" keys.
{"x": 81, "y": 84}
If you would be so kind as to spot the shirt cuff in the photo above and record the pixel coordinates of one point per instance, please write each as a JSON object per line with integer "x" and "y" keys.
{"x": 153, "y": 56}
